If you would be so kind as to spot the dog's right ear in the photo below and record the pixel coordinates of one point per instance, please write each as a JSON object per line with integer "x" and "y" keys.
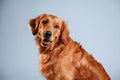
{"x": 33, "y": 26}
{"x": 64, "y": 32}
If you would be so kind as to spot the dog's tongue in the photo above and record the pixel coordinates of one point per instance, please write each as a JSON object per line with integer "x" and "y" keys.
{"x": 46, "y": 41}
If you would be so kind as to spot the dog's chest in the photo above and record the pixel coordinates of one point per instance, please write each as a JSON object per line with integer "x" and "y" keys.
{"x": 56, "y": 68}
{"x": 49, "y": 66}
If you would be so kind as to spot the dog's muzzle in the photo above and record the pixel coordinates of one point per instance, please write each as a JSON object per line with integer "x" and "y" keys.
{"x": 46, "y": 40}
{"x": 47, "y": 34}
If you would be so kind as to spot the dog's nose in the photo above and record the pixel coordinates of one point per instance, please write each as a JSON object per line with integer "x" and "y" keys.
{"x": 48, "y": 34}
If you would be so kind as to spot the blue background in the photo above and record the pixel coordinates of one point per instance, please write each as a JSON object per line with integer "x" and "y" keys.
{"x": 93, "y": 23}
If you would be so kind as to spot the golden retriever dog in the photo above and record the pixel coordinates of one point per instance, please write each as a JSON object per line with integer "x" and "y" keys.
{"x": 61, "y": 58}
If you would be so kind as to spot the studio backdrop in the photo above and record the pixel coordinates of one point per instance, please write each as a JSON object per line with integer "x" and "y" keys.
{"x": 95, "y": 24}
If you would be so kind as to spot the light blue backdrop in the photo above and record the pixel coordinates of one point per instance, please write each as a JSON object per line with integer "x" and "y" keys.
{"x": 93, "y": 23}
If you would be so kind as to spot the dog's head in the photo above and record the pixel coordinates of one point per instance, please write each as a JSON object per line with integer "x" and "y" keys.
{"x": 49, "y": 28}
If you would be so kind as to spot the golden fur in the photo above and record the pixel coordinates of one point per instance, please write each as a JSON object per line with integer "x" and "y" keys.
{"x": 61, "y": 58}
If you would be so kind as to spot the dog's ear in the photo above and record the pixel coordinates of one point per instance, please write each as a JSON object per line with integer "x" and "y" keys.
{"x": 64, "y": 32}
{"x": 34, "y": 23}
{"x": 33, "y": 26}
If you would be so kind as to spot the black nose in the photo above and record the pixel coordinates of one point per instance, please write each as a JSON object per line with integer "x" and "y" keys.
{"x": 47, "y": 34}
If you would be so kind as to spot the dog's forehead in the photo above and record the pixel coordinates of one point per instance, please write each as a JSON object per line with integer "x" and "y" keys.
{"x": 57, "y": 20}
{"x": 54, "y": 19}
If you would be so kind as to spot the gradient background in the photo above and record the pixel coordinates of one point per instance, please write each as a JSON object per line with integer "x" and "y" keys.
{"x": 93, "y": 23}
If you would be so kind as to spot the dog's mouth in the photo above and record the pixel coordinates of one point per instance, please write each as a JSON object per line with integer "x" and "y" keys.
{"x": 45, "y": 42}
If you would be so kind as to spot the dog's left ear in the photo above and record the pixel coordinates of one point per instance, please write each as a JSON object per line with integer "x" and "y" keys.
{"x": 34, "y": 23}
{"x": 33, "y": 26}
{"x": 64, "y": 32}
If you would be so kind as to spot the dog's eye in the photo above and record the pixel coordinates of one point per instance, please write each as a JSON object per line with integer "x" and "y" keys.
{"x": 45, "y": 22}
{"x": 56, "y": 26}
